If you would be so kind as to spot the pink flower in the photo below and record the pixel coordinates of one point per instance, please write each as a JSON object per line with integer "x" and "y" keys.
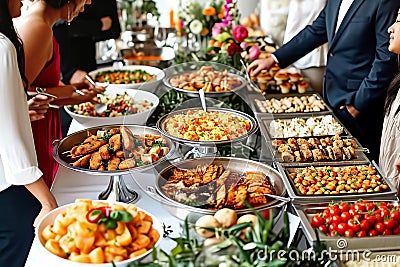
{"x": 217, "y": 29}
{"x": 254, "y": 52}
{"x": 240, "y": 33}
{"x": 243, "y": 45}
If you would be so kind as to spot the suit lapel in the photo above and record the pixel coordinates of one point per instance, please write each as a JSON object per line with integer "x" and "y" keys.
{"x": 332, "y": 19}
{"x": 346, "y": 20}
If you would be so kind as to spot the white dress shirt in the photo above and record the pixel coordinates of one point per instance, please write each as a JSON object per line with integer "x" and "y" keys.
{"x": 301, "y": 14}
{"x": 18, "y": 162}
{"x": 344, "y": 7}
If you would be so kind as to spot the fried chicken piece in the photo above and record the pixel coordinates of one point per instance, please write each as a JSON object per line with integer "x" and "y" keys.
{"x": 104, "y": 153}
{"x": 90, "y": 139}
{"x": 102, "y": 168}
{"x": 95, "y": 161}
{"x": 113, "y": 163}
{"x": 126, "y": 164}
{"x": 240, "y": 196}
{"x": 87, "y": 148}
{"x": 120, "y": 154}
{"x": 114, "y": 131}
{"x": 83, "y": 161}
{"x": 115, "y": 142}
{"x": 221, "y": 188}
{"x": 257, "y": 199}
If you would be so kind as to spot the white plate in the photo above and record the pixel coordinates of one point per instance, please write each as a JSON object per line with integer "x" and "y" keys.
{"x": 137, "y": 118}
{"x": 49, "y": 219}
{"x": 150, "y": 86}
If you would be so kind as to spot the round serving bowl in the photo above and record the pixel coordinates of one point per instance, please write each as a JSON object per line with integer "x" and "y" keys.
{"x": 150, "y": 86}
{"x": 139, "y": 118}
{"x": 48, "y": 256}
{"x": 238, "y": 165}
{"x": 161, "y": 125}
{"x": 189, "y": 77}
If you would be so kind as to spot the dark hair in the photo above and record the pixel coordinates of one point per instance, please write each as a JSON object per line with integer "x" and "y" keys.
{"x": 392, "y": 92}
{"x": 7, "y": 28}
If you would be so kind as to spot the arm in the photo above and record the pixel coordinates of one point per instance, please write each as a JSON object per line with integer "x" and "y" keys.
{"x": 384, "y": 67}
{"x": 311, "y": 37}
{"x": 19, "y": 156}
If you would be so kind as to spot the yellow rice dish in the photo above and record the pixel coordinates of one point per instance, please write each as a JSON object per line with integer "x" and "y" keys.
{"x": 207, "y": 126}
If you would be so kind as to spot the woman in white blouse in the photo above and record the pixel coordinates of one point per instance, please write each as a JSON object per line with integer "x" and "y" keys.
{"x": 389, "y": 156}
{"x": 24, "y": 197}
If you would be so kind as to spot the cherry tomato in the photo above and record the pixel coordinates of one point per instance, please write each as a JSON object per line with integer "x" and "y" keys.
{"x": 387, "y": 232}
{"x": 362, "y": 233}
{"x": 336, "y": 219}
{"x": 349, "y": 233}
{"x": 334, "y": 210}
{"x": 323, "y": 228}
{"x": 359, "y": 207}
{"x": 395, "y": 215}
{"x": 372, "y": 232}
{"x": 390, "y": 223}
{"x": 354, "y": 225}
{"x": 396, "y": 231}
{"x": 379, "y": 227}
{"x": 333, "y": 233}
{"x": 364, "y": 225}
{"x": 317, "y": 221}
{"x": 370, "y": 218}
{"x": 384, "y": 212}
{"x": 332, "y": 227}
{"x": 370, "y": 206}
{"x": 342, "y": 227}
{"x": 344, "y": 207}
{"x": 345, "y": 216}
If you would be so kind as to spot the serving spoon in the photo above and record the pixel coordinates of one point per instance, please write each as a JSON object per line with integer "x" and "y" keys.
{"x": 203, "y": 99}
{"x": 284, "y": 199}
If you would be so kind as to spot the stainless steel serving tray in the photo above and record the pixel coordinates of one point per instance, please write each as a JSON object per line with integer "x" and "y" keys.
{"x": 299, "y": 198}
{"x": 377, "y": 243}
{"x": 62, "y": 148}
{"x": 239, "y": 165}
{"x": 361, "y": 158}
{"x": 254, "y": 127}
{"x": 263, "y": 99}
{"x": 265, "y": 120}
{"x": 190, "y": 67}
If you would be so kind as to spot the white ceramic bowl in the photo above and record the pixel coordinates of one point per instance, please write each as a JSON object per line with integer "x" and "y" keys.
{"x": 150, "y": 86}
{"x": 58, "y": 261}
{"x": 137, "y": 118}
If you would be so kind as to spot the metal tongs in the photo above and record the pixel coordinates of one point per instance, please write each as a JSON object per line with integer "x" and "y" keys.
{"x": 251, "y": 83}
{"x": 99, "y": 107}
{"x": 42, "y": 91}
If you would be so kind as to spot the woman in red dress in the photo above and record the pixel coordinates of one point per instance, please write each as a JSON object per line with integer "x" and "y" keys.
{"x": 43, "y": 70}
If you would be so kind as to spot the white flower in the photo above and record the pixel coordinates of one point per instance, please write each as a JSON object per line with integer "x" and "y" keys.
{"x": 196, "y": 26}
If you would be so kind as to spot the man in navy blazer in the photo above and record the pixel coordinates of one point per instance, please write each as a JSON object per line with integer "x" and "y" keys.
{"x": 359, "y": 66}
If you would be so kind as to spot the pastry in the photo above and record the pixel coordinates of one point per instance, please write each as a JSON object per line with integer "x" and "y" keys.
{"x": 285, "y": 87}
{"x": 302, "y": 86}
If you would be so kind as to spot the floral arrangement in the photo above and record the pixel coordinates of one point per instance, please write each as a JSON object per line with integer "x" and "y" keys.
{"x": 218, "y": 30}
{"x": 230, "y": 41}
{"x": 196, "y": 19}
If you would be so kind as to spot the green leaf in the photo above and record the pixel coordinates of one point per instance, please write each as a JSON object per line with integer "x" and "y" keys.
{"x": 222, "y": 37}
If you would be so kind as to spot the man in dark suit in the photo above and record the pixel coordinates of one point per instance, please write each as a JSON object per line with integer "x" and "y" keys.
{"x": 359, "y": 66}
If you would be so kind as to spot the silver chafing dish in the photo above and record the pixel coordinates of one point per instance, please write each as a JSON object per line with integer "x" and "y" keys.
{"x": 340, "y": 243}
{"x": 206, "y": 148}
{"x": 117, "y": 188}
{"x": 297, "y": 197}
{"x": 189, "y": 68}
{"x": 238, "y": 165}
